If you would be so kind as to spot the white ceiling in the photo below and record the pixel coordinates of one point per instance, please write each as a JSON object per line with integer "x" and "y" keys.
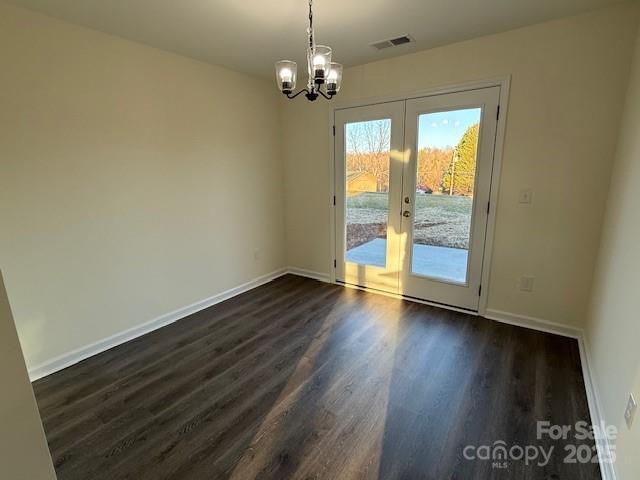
{"x": 249, "y": 36}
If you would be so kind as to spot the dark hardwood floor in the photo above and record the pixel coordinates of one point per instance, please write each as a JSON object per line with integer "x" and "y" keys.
{"x": 301, "y": 379}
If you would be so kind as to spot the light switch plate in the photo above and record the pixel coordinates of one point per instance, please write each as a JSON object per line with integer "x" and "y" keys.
{"x": 630, "y": 411}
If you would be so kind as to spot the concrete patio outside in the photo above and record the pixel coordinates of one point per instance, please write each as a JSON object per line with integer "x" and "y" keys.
{"x": 443, "y": 263}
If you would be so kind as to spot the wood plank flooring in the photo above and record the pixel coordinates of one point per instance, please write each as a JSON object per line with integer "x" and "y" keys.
{"x": 306, "y": 380}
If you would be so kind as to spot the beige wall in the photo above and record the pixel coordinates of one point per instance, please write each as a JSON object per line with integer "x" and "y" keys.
{"x": 24, "y": 454}
{"x": 614, "y": 320}
{"x": 568, "y": 82}
{"x": 132, "y": 181}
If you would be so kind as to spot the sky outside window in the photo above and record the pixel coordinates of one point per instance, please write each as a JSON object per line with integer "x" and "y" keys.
{"x": 445, "y": 129}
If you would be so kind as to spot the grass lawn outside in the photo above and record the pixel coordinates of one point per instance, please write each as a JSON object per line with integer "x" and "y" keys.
{"x": 440, "y": 220}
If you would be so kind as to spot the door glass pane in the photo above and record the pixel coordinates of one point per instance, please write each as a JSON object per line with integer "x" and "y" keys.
{"x": 446, "y": 172}
{"x": 367, "y": 150}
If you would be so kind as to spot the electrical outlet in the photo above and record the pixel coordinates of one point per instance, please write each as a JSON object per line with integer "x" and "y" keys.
{"x": 526, "y": 195}
{"x": 256, "y": 254}
{"x": 526, "y": 283}
{"x": 630, "y": 411}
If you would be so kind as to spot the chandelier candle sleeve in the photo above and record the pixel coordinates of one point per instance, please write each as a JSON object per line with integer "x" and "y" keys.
{"x": 286, "y": 72}
{"x": 334, "y": 79}
{"x": 320, "y": 58}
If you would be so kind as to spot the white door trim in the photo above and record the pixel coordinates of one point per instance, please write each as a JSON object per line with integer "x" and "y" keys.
{"x": 504, "y": 83}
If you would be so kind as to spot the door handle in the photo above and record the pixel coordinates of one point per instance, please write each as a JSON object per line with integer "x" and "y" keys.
{"x": 406, "y": 213}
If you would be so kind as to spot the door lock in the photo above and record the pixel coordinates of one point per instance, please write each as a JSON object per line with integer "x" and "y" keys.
{"x": 407, "y": 200}
{"x": 406, "y": 213}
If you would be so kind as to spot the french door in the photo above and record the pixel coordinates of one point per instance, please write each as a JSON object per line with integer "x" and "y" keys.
{"x": 412, "y": 184}
{"x": 369, "y": 162}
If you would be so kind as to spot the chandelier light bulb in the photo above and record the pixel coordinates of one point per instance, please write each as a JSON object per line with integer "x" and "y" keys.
{"x": 286, "y": 74}
{"x": 319, "y": 61}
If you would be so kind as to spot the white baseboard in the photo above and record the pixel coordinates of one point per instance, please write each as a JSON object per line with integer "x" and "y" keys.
{"x": 323, "y": 277}
{"x": 605, "y": 449}
{"x": 70, "y": 358}
{"x": 533, "y": 323}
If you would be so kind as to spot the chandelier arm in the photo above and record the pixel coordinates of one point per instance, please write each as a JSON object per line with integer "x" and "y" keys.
{"x": 291, "y": 97}
{"x": 328, "y": 97}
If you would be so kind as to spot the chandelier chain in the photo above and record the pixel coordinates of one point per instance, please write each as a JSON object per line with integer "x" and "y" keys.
{"x": 310, "y": 31}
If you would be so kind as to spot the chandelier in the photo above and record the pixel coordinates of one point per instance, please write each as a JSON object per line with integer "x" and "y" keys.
{"x": 324, "y": 76}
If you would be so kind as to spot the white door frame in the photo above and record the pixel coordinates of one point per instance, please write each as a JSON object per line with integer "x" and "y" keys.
{"x": 504, "y": 83}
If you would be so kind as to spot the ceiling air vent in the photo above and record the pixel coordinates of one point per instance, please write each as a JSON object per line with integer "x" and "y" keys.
{"x": 392, "y": 42}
